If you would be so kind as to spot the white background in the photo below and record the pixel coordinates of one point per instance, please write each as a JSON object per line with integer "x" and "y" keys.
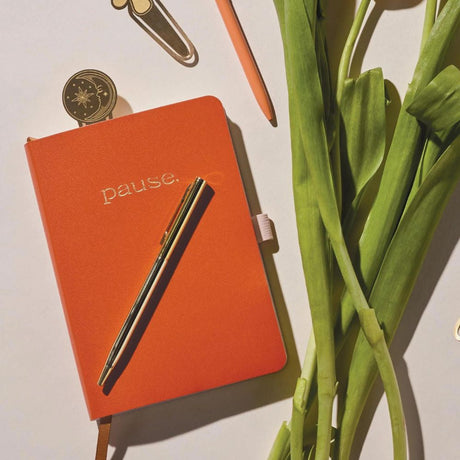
{"x": 42, "y": 411}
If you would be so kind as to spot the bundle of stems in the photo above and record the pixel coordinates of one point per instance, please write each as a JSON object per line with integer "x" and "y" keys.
{"x": 366, "y": 211}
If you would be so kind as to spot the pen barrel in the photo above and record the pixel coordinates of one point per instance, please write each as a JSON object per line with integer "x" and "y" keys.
{"x": 167, "y": 248}
{"x": 245, "y": 56}
{"x": 181, "y": 218}
{"x": 237, "y": 36}
{"x": 137, "y": 308}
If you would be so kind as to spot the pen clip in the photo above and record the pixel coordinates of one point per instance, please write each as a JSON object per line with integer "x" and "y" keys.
{"x": 156, "y": 20}
{"x": 176, "y": 212}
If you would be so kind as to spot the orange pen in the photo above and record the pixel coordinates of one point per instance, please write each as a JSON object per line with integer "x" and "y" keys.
{"x": 246, "y": 58}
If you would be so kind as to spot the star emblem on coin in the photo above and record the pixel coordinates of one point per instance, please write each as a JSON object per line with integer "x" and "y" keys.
{"x": 82, "y": 97}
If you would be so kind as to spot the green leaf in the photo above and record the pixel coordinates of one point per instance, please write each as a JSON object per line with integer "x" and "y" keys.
{"x": 316, "y": 258}
{"x": 393, "y": 285}
{"x": 325, "y": 79}
{"x": 404, "y": 153}
{"x": 280, "y": 448}
{"x": 308, "y": 111}
{"x": 363, "y": 137}
{"x": 299, "y": 404}
{"x": 435, "y": 145}
{"x": 438, "y": 104}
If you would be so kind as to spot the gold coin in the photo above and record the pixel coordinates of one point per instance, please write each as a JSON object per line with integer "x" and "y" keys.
{"x": 89, "y": 96}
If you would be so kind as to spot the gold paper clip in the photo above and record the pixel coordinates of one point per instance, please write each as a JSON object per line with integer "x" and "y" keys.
{"x": 156, "y": 20}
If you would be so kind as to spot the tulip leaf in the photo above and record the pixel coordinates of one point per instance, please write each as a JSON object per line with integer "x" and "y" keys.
{"x": 438, "y": 104}
{"x": 393, "y": 285}
{"x": 363, "y": 139}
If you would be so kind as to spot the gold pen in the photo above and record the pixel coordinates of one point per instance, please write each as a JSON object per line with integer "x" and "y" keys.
{"x": 169, "y": 241}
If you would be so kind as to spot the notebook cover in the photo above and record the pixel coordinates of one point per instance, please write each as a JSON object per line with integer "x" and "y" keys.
{"x": 106, "y": 193}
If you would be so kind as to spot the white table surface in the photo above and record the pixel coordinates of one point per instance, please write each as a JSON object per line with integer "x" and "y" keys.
{"x": 42, "y": 411}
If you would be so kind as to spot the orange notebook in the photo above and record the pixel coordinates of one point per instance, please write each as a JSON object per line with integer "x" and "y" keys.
{"x": 106, "y": 193}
